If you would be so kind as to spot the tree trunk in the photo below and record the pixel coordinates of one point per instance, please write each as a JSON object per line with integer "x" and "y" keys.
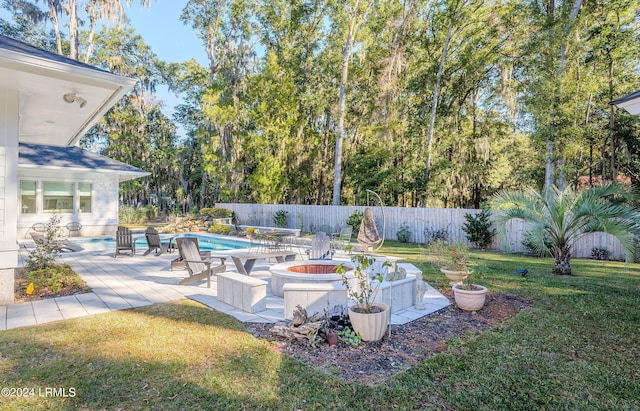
{"x": 93, "y": 20}
{"x": 612, "y": 112}
{"x": 55, "y": 21}
{"x": 550, "y": 166}
{"x": 355, "y": 18}
{"x": 562, "y": 265}
{"x": 434, "y": 107}
{"x": 346, "y": 56}
{"x": 74, "y": 40}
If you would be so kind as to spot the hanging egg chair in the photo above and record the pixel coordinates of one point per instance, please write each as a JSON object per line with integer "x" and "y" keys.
{"x": 368, "y": 236}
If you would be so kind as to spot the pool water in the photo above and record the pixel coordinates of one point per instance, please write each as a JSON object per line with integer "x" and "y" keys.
{"x": 205, "y": 242}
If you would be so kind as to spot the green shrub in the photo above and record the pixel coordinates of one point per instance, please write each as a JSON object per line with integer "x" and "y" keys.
{"x": 151, "y": 211}
{"x": 432, "y": 235}
{"x": 354, "y": 220}
{"x": 132, "y": 215}
{"x": 403, "y": 233}
{"x": 600, "y": 253}
{"x": 280, "y": 218}
{"x": 214, "y": 212}
{"x": 218, "y": 228}
{"x": 479, "y": 228}
{"x": 54, "y": 279}
{"x": 348, "y": 336}
{"x": 43, "y": 256}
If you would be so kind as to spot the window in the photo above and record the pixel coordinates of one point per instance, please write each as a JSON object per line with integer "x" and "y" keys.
{"x": 57, "y": 197}
{"x": 84, "y": 192}
{"x": 28, "y": 197}
{"x": 39, "y": 197}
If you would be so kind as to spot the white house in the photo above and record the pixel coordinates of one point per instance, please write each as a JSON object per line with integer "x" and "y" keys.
{"x": 630, "y": 102}
{"x": 47, "y": 99}
{"x": 75, "y": 184}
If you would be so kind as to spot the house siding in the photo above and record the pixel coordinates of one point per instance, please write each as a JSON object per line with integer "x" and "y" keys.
{"x": 9, "y": 126}
{"x": 103, "y": 219}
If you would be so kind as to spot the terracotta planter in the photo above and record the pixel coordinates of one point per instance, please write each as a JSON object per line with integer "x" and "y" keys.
{"x": 371, "y": 326}
{"x": 456, "y": 277}
{"x": 470, "y": 300}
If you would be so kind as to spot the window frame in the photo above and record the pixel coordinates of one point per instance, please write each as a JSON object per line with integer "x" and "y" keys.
{"x": 40, "y": 194}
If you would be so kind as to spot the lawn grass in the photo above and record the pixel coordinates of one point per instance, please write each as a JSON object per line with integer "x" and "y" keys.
{"x": 576, "y": 348}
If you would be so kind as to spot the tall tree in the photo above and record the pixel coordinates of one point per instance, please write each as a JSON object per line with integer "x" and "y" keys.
{"x": 107, "y": 10}
{"x": 225, "y": 30}
{"x": 355, "y": 13}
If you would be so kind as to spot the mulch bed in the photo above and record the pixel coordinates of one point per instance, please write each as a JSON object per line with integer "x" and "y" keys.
{"x": 373, "y": 362}
{"x": 20, "y": 290}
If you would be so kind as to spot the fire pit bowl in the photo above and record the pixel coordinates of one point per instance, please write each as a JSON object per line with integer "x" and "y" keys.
{"x": 312, "y": 272}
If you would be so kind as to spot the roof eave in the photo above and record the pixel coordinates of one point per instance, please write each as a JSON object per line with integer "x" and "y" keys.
{"x": 98, "y": 114}
{"x": 132, "y": 176}
{"x": 122, "y": 175}
{"x": 80, "y": 74}
{"x": 630, "y": 102}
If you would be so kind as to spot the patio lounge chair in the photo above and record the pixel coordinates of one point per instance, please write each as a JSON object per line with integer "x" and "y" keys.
{"x": 155, "y": 244}
{"x": 320, "y": 247}
{"x": 197, "y": 267}
{"x": 124, "y": 241}
{"x": 63, "y": 244}
{"x": 178, "y": 263}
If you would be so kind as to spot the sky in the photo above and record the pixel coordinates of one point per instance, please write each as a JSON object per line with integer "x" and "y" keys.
{"x": 161, "y": 28}
{"x": 168, "y": 37}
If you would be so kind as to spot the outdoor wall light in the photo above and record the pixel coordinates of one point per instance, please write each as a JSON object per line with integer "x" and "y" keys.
{"x": 71, "y": 98}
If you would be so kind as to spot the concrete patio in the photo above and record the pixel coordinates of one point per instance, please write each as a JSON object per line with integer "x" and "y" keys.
{"x": 127, "y": 282}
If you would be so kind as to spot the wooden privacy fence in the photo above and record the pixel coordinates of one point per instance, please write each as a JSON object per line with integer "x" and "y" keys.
{"x": 309, "y": 218}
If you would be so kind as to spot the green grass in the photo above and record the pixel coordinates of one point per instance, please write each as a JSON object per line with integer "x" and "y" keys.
{"x": 576, "y": 348}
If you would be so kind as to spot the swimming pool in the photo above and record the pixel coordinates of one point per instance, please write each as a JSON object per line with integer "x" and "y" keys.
{"x": 205, "y": 242}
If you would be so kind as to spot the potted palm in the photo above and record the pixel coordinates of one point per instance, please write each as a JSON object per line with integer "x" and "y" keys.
{"x": 368, "y": 318}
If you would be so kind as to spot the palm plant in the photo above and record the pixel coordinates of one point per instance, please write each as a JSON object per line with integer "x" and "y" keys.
{"x": 567, "y": 215}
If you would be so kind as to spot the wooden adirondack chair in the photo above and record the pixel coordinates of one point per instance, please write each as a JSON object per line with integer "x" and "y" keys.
{"x": 124, "y": 241}
{"x": 178, "y": 263}
{"x": 197, "y": 267}
{"x": 154, "y": 243}
{"x": 320, "y": 247}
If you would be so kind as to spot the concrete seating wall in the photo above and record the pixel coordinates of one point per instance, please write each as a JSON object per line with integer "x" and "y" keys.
{"x": 398, "y": 294}
{"x": 314, "y": 298}
{"x": 243, "y": 292}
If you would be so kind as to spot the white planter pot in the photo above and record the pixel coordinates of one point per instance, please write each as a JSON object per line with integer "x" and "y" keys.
{"x": 456, "y": 277}
{"x": 470, "y": 300}
{"x": 371, "y": 326}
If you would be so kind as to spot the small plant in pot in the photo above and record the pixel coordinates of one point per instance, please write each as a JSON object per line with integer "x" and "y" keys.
{"x": 368, "y": 318}
{"x": 468, "y": 296}
{"x": 453, "y": 260}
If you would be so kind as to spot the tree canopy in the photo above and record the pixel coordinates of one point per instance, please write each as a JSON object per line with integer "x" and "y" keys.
{"x": 428, "y": 103}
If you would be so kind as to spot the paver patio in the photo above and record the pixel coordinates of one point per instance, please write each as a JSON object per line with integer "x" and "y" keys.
{"x": 127, "y": 282}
